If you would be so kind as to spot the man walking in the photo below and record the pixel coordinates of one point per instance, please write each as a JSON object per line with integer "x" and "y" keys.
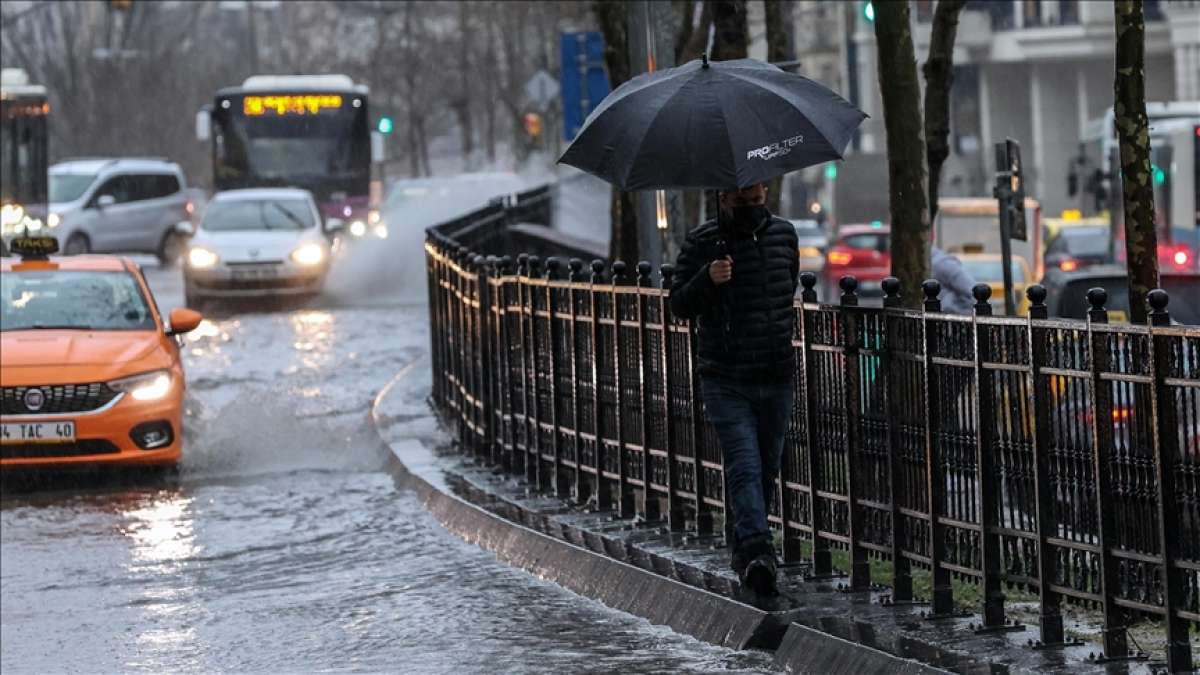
{"x": 736, "y": 277}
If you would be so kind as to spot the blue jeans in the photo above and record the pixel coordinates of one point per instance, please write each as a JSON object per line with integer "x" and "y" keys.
{"x": 750, "y": 421}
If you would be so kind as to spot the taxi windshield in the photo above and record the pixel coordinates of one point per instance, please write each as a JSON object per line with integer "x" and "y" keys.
{"x": 265, "y": 214}
{"x": 78, "y": 300}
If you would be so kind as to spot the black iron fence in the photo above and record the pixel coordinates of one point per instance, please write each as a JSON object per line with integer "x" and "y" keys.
{"x": 1058, "y": 458}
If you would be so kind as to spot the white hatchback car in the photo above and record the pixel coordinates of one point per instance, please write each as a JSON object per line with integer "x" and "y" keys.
{"x": 258, "y": 242}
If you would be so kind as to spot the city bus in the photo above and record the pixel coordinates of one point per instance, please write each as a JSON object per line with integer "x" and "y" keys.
{"x": 24, "y": 110}
{"x": 305, "y": 131}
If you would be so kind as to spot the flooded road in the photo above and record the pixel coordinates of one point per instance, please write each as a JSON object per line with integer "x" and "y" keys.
{"x": 284, "y": 545}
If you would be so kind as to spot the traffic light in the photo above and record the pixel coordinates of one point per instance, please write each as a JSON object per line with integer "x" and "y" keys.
{"x": 533, "y": 124}
{"x": 385, "y": 125}
{"x": 868, "y": 12}
{"x": 1160, "y": 176}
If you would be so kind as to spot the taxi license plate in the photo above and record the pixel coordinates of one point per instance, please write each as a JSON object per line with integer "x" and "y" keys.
{"x": 37, "y": 432}
{"x": 253, "y": 273}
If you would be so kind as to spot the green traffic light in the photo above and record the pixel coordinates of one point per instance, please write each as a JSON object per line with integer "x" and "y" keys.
{"x": 385, "y": 125}
{"x": 831, "y": 171}
{"x": 869, "y": 12}
{"x": 1160, "y": 176}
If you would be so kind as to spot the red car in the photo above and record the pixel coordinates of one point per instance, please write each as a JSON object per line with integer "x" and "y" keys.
{"x": 863, "y": 251}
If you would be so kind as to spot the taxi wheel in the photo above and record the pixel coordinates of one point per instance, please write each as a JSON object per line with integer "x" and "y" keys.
{"x": 77, "y": 244}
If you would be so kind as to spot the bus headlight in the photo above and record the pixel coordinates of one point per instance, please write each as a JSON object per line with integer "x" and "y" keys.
{"x": 201, "y": 258}
{"x": 145, "y": 387}
{"x": 358, "y": 228}
{"x": 309, "y": 255}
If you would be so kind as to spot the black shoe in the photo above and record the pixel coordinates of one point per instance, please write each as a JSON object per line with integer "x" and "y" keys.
{"x": 760, "y": 575}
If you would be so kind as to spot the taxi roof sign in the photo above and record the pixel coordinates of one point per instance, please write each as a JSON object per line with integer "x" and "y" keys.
{"x": 34, "y": 248}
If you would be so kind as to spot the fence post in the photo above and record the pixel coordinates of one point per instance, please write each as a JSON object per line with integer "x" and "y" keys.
{"x": 675, "y": 516}
{"x": 942, "y": 601}
{"x": 484, "y": 352}
{"x": 625, "y": 498}
{"x": 1166, "y": 425}
{"x": 561, "y": 486}
{"x": 603, "y": 496}
{"x": 651, "y": 510}
{"x": 533, "y": 448}
{"x": 901, "y": 565}
{"x": 523, "y": 450}
{"x": 822, "y": 557}
{"x": 860, "y": 568}
{"x": 1115, "y": 639}
{"x": 576, "y": 268}
{"x": 1051, "y": 621}
{"x": 986, "y": 488}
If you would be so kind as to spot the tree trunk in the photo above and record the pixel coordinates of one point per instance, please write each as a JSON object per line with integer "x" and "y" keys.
{"x": 778, "y": 49}
{"x": 905, "y": 148}
{"x": 732, "y": 35}
{"x": 623, "y": 229}
{"x": 939, "y": 76}
{"x": 1133, "y": 133}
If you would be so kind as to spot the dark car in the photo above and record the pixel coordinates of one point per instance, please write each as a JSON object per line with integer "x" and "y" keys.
{"x": 1066, "y": 293}
{"x": 1077, "y": 248}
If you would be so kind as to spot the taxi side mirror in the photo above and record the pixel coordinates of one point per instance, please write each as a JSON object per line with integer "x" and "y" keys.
{"x": 183, "y": 321}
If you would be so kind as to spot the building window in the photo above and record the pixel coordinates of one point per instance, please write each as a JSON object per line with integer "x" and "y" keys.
{"x": 1152, "y": 10}
{"x": 1031, "y": 13}
{"x": 1068, "y": 12}
{"x": 1003, "y": 15}
{"x": 924, "y": 11}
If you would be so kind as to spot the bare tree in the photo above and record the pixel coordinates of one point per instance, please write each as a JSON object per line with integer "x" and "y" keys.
{"x": 1133, "y": 132}
{"x": 623, "y": 231}
{"x": 939, "y": 76}
{"x": 779, "y": 48}
{"x": 905, "y": 148}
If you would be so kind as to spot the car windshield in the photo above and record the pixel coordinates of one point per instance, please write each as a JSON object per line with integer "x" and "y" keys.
{"x": 992, "y": 270}
{"x": 67, "y": 187}
{"x": 1086, "y": 241}
{"x": 47, "y": 299}
{"x": 870, "y": 242}
{"x": 258, "y": 214}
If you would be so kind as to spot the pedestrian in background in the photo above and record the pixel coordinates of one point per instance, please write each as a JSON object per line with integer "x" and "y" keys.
{"x": 956, "y": 282}
{"x": 736, "y": 277}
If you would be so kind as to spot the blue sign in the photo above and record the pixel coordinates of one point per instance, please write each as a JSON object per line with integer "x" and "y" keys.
{"x": 583, "y": 78}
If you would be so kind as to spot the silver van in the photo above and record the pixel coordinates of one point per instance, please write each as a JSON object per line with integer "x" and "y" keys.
{"x": 118, "y": 206}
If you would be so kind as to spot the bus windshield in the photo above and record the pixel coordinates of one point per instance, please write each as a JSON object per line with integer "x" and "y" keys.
{"x": 326, "y": 152}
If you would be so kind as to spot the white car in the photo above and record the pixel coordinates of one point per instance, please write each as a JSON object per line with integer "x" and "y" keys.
{"x": 258, "y": 242}
{"x": 118, "y": 205}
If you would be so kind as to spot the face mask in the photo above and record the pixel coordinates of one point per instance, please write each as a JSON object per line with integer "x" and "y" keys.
{"x": 749, "y": 217}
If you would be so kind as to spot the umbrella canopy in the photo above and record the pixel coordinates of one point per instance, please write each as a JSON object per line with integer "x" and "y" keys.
{"x": 720, "y": 125}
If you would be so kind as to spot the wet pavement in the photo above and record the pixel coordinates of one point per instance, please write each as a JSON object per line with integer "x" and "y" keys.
{"x": 284, "y": 545}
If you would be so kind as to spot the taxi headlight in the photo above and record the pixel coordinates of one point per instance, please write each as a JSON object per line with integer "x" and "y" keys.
{"x": 358, "y": 228}
{"x": 380, "y": 231}
{"x": 53, "y": 220}
{"x": 145, "y": 387}
{"x": 309, "y": 255}
{"x": 201, "y": 258}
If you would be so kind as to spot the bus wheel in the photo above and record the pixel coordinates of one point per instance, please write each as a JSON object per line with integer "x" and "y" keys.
{"x": 77, "y": 244}
{"x": 170, "y": 249}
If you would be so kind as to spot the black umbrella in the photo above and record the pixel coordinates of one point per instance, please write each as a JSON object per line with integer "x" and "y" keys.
{"x": 712, "y": 125}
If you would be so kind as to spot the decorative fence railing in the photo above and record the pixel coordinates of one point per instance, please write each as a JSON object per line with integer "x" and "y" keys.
{"x": 1059, "y": 458}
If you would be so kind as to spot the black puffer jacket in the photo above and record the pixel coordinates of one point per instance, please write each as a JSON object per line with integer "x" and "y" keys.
{"x": 745, "y": 324}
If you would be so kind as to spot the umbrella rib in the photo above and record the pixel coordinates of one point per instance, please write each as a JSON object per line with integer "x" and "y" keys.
{"x": 654, "y": 118}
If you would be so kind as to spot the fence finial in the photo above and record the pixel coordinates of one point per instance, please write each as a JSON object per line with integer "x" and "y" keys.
{"x": 618, "y": 272}
{"x": 982, "y": 293}
{"x": 808, "y": 281}
{"x": 478, "y": 262}
{"x": 535, "y": 265}
{"x": 1158, "y": 299}
{"x": 848, "y": 284}
{"x": 931, "y": 288}
{"x": 1037, "y": 301}
{"x": 522, "y": 264}
{"x": 643, "y": 272}
{"x": 1096, "y": 297}
{"x": 668, "y": 274}
{"x": 552, "y": 265}
{"x": 597, "y": 271}
{"x": 576, "y": 266}
{"x": 891, "y": 291}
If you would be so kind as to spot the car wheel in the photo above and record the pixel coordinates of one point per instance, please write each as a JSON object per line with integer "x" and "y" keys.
{"x": 170, "y": 250}
{"x": 77, "y": 244}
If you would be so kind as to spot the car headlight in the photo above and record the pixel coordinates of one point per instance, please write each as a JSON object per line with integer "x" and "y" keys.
{"x": 309, "y": 255}
{"x": 380, "y": 231}
{"x": 358, "y": 228}
{"x": 145, "y": 387}
{"x": 53, "y": 220}
{"x": 201, "y": 258}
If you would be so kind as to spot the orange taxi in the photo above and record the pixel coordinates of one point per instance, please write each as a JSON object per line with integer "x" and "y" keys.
{"x": 89, "y": 371}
